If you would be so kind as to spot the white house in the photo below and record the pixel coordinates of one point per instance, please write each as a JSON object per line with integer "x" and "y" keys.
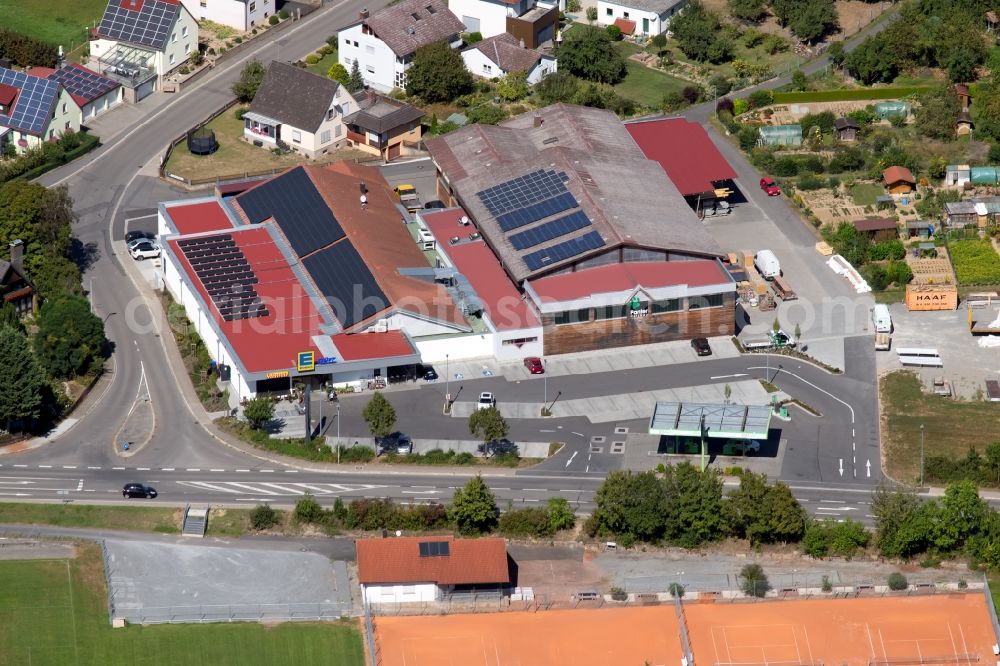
{"x": 34, "y": 109}
{"x": 239, "y": 14}
{"x": 93, "y": 93}
{"x": 138, "y": 42}
{"x": 651, "y": 17}
{"x": 421, "y": 569}
{"x": 530, "y": 20}
{"x": 383, "y": 43}
{"x": 298, "y": 109}
{"x": 503, "y": 53}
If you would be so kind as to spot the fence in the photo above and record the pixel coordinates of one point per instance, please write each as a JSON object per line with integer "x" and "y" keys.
{"x": 685, "y": 639}
{"x": 107, "y": 573}
{"x": 373, "y": 650}
{"x": 230, "y": 613}
{"x": 989, "y": 604}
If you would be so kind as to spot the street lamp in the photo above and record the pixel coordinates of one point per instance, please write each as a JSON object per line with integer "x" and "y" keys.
{"x": 921, "y": 455}
{"x": 338, "y": 432}
{"x": 545, "y": 387}
{"x": 447, "y": 384}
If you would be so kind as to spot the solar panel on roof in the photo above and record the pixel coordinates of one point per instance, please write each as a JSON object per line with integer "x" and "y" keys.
{"x": 535, "y": 212}
{"x": 148, "y": 26}
{"x": 33, "y": 105}
{"x": 560, "y": 251}
{"x": 347, "y": 284}
{"x": 522, "y": 191}
{"x": 299, "y": 209}
{"x": 228, "y": 280}
{"x": 546, "y": 232}
{"x": 83, "y": 83}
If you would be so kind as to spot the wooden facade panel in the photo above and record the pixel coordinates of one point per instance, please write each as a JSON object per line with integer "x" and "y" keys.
{"x": 607, "y": 333}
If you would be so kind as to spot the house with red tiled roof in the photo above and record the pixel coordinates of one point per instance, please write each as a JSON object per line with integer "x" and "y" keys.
{"x": 504, "y": 53}
{"x": 421, "y": 569}
{"x": 899, "y": 180}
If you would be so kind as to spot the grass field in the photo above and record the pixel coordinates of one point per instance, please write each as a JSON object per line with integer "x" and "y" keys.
{"x": 324, "y": 64}
{"x": 58, "y": 21}
{"x": 864, "y": 193}
{"x": 950, "y": 426}
{"x": 647, "y": 86}
{"x": 54, "y": 613}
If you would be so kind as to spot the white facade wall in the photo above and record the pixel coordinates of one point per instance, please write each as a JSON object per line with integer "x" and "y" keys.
{"x": 66, "y": 116}
{"x": 479, "y": 65}
{"x": 415, "y": 326}
{"x": 491, "y": 17}
{"x": 103, "y": 103}
{"x": 542, "y": 69}
{"x": 395, "y": 594}
{"x": 655, "y": 24}
{"x": 235, "y": 13}
{"x": 380, "y": 68}
{"x": 458, "y": 347}
{"x": 182, "y": 40}
{"x": 506, "y": 344}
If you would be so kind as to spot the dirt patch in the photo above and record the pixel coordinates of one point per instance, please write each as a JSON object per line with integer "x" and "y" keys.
{"x": 14, "y": 548}
{"x": 558, "y": 580}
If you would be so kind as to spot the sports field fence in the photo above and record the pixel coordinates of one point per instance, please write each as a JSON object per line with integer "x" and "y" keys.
{"x": 993, "y": 610}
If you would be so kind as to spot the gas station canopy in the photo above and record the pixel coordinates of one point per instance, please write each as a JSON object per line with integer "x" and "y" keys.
{"x": 719, "y": 421}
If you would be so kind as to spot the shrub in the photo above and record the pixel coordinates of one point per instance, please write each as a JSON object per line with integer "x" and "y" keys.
{"x": 890, "y": 249}
{"x": 614, "y": 32}
{"x": 331, "y": 41}
{"x": 573, "y": 6}
{"x": 754, "y": 581}
{"x": 618, "y": 594}
{"x": 720, "y": 83}
{"x": 962, "y": 584}
{"x": 326, "y": 50}
{"x": 976, "y": 262}
{"x": 273, "y": 20}
{"x": 833, "y": 183}
{"x": 691, "y": 94}
{"x": 591, "y": 14}
{"x": 676, "y": 590}
{"x": 809, "y": 182}
{"x": 356, "y": 454}
{"x": 238, "y": 39}
{"x": 760, "y": 98}
{"x": 825, "y": 584}
{"x": 307, "y": 509}
{"x": 263, "y": 517}
{"x": 897, "y": 581}
{"x": 283, "y": 14}
{"x": 240, "y": 112}
{"x": 811, "y": 163}
{"x": 211, "y": 50}
{"x": 786, "y": 167}
{"x": 529, "y": 522}
{"x": 183, "y": 70}
{"x": 560, "y": 514}
{"x": 724, "y": 105}
{"x": 659, "y": 41}
{"x": 312, "y": 59}
{"x": 774, "y": 44}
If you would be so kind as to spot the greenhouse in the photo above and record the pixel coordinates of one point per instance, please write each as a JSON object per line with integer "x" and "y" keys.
{"x": 984, "y": 175}
{"x": 780, "y": 135}
{"x": 885, "y": 110}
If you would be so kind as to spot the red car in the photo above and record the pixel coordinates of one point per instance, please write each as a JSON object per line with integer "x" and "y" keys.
{"x": 534, "y": 365}
{"x": 770, "y": 187}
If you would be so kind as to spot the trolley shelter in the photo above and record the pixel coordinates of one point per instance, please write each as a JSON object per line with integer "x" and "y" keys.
{"x": 687, "y": 427}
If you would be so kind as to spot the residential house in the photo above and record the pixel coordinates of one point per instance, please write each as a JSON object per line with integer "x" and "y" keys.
{"x": 957, "y": 175}
{"x": 15, "y": 288}
{"x": 421, "y": 569}
{"x": 139, "y": 42}
{"x": 383, "y": 43}
{"x": 93, "y": 93}
{"x": 964, "y": 98}
{"x": 529, "y": 20}
{"x": 881, "y": 229}
{"x": 651, "y": 17}
{"x": 899, "y": 180}
{"x": 498, "y": 55}
{"x": 383, "y": 126}
{"x": 298, "y": 110}
{"x": 847, "y": 130}
{"x": 964, "y": 124}
{"x": 241, "y": 15}
{"x": 34, "y": 109}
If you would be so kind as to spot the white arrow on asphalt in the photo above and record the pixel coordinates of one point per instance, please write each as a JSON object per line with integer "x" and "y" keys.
{"x": 570, "y": 461}
{"x": 739, "y": 374}
{"x": 868, "y": 468}
{"x": 842, "y": 467}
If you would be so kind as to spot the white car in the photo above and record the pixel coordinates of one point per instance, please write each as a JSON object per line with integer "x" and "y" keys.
{"x": 144, "y": 250}
{"x": 486, "y": 400}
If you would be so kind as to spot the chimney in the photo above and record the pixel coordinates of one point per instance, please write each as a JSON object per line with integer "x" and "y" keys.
{"x": 537, "y": 121}
{"x": 371, "y": 97}
{"x": 17, "y": 255}
{"x": 363, "y": 187}
{"x": 522, "y": 42}
{"x": 364, "y": 13}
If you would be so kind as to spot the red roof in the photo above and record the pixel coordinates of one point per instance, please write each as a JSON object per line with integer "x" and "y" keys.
{"x": 627, "y": 276}
{"x": 685, "y": 152}
{"x": 40, "y": 72}
{"x": 7, "y": 94}
{"x": 362, "y": 346}
{"x": 506, "y": 308}
{"x": 896, "y": 174}
{"x": 197, "y": 218}
{"x": 875, "y": 225}
{"x": 625, "y": 25}
{"x": 398, "y": 560}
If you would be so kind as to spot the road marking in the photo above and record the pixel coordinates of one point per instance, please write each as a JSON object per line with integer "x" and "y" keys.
{"x": 841, "y": 466}
{"x": 570, "y": 461}
{"x": 546, "y": 431}
{"x": 826, "y": 501}
{"x": 217, "y": 470}
{"x": 93, "y": 467}
{"x": 578, "y": 434}
{"x": 493, "y": 489}
{"x": 318, "y": 489}
{"x": 535, "y": 490}
{"x": 42, "y": 466}
{"x": 69, "y": 466}
{"x": 142, "y": 469}
{"x": 242, "y": 470}
{"x": 90, "y": 490}
{"x": 117, "y": 468}
{"x": 141, "y": 217}
{"x": 531, "y": 500}
{"x": 738, "y": 374}
{"x": 193, "y": 469}
{"x": 267, "y": 470}
{"x": 167, "y": 469}
{"x": 418, "y": 492}
{"x": 294, "y": 491}
{"x": 209, "y": 486}
{"x": 291, "y": 471}
{"x": 79, "y": 486}
{"x": 252, "y": 488}
{"x": 17, "y": 494}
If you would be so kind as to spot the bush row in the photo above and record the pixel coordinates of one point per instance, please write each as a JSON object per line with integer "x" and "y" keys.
{"x": 50, "y": 155}
{"x": 26, "y": 51}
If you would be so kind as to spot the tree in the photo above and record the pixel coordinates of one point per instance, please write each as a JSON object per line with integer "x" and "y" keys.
{"x": 559, "y": 86}
{"x": 488, "y": 424}
{"x": 753, "y": 580}
{"x": 799, "y": 80}
{"x": 631, "y": 504}
{"x": 939, "y": 108}
{"x": 307, "y": 509}
{"x": 10, "y": 318}
{"x": 258, "y": 412}
{"x": 380, "y": 415}
{"x": 473, "y": 508}
{"x": 764, "y": 514}
{"x": 560, "y": 514}
{"x": 835, "y": 53}
{"x": 588, "y": 52}
{"x": 720, "y": 84}
{"x": 748, "y": 10}
{"x": 70, "y": 339}
{"x": 250, "y": 79}
{"x": 901, "y": 527}
{"x": 339, "y": 73}
{"x": 786, "y": 519}
{"x": 963, "y": 58}
{"x": 993, "y": 458}
{"x": 695, "y": 513}
{"x": 355, "y": 82}
{"x": 438, "y": 73}
{"x": 985, "y": 112}
{"x": 783, "y": 10}
{"x": 697, "y": 32}
{"x": 513, "y": 86}
{"x": 813, "y": 19}
{"x": 872, "y": 61}
{"x": 21, "y": 378}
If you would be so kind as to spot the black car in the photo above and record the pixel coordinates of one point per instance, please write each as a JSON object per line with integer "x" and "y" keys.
{"x": 434, "y": 203}
{"x": 138, "y": 490}
{"x": 139, "y": 235}
{"x": 430, "y": 374}
{"x": 396, "y": 442}
{"x": 700, "y": 347}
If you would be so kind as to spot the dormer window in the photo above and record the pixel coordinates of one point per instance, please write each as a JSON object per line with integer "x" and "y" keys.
{"x": 430, "y": 10}
{"x": 416, "y": 16}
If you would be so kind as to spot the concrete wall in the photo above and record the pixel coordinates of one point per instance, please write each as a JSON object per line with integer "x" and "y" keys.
{"x": 492, "y": 16}
{"x": 473, "y": 345}
{"x": 372, "y": 54}
{"x": 401, "y": 593}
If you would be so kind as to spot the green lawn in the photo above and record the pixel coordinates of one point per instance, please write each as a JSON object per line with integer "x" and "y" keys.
{"x": 864, "y": 193}
{"x": 647, "y": 86}
{"x": 322, "y": 66}
{"x": 54, "y": 613}
{"x": 58, "y": 21}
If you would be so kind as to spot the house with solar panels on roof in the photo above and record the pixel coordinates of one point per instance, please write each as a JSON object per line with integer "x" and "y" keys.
{"x": 383, "y": 43}
{"x": 139, "y": 42}
{"x": 34, "y": 109}
{"x": 312, "y": 276}
{"x": 93, "y": 93}
{"x": 593, "y": 235}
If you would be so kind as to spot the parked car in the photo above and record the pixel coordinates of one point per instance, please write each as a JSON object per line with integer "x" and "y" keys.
{"x": 428, "y": 373}
{"x": 138, "y": 490}
{"x": 396, "y": 442}
{"x": 534, "y": 365}
{"x": 770, "y": 187}
{"x": 701, "y": 347}
{"x": 144, "y": 249}
{"x": 498, "y": 447}
{"x": 434, "y": 203}
{"x": 137, "y": 235}
{"x": 486, "y": 400}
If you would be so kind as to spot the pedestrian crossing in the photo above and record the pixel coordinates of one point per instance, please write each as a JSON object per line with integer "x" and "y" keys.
{"x": 269, "y": 489}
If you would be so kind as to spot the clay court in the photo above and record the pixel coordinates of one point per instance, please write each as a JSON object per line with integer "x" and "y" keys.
{"x": 882, "y": 631}
{"x": 599, "y": 637}
{"x": 952, "y": 628}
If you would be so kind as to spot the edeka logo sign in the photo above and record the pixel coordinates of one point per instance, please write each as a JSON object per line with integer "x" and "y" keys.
{"x": 305, "y": 361}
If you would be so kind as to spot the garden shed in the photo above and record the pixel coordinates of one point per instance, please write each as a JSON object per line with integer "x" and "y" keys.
{"x": 986, "y": 175}
{"x": 780, "y": 135}
{"x": 899, "y": 180}
{"x": 964, "y": 124}
{"x": 957, "y": 174}
{"x": 919, "y": 229}
{"x": 881, "y": 229}
{"x": 847, "y": 129}
{"x": 960, "y": 213}
{"x": 886, "y": 110}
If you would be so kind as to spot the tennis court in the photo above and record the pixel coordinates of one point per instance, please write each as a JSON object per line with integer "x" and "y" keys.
{"x": 938, "y": 629}
{"x": 599, "y": 637}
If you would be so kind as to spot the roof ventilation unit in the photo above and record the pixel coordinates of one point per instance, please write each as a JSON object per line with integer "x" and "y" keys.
{"x": 464, "y": 221}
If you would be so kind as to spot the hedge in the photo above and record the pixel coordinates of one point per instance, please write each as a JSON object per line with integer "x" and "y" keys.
{"x": 852, "y": 94}
{"x": 87, "y": 143}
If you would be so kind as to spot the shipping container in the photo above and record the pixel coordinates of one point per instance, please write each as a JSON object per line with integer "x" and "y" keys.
{"x": 931, "y": 297}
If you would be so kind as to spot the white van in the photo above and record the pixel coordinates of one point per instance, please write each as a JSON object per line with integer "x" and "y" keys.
{"x": 881, "y": 318}
{"x": 767, "y": 264}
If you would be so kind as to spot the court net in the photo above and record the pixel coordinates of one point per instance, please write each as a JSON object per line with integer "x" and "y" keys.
{"x": 769, "y": 663}
{"x": 971, "y": 658}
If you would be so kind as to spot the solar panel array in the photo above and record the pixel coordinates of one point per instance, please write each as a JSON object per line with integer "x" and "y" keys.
{"x": 299, "y": 209}
{"x": 523, "y": 191}
{"x": 346, "y": 283}
{"x": 550, "y": 230}
{"x": 33, "y": 105}
{"x": 144, "y": 22}
{"x": 533, "y": 213}
{"x": 82, "y": 82}
{"x": 226, "y": 276}
{"x": 565, "y": 250}
{"x": 434, "y": 549}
